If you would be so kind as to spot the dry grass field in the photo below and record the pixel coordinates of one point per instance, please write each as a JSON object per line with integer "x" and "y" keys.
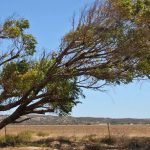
{"x": 82, "y": 130}
{"x": 75, "y": 137}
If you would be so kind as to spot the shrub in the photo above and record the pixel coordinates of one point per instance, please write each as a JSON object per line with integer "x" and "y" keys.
{"x": 108, "y": 140}
{"x": 62, "y": 139}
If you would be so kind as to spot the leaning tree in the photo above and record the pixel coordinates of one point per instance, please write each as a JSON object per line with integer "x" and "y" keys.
{"x": 108, "y": 44}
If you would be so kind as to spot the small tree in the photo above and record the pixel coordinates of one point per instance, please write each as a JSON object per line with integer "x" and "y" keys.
{"x": 109, "y": 44}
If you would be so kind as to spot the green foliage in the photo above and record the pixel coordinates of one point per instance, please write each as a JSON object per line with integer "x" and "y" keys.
{"x": 13, "y": 75}
{"x": 15, "y": 29}
{"x": 18, "y": 77}
{"x": 30, "y": 44}
{"x": 127, "y": 31}
{"x": 67, "y": 90}
{"x": 22, "y": 24}
{"x": 11, "y": 30}
{"x": 64, "y": 89}
{"x": 123, "y": 8}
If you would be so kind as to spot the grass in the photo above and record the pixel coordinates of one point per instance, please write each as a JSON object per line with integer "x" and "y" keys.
{"x": 92, "y": 138}
{"x": 90, "y": 142}
{"x": 24, "y": 137}
{"x": 80, "y": 137}
{"x": 81, "y": 130}
{"x": 42, "y": 134}
{"x": 11, "y": 140}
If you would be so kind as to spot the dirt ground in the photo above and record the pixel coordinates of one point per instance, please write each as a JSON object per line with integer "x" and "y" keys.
{"x": 25, "y": 148}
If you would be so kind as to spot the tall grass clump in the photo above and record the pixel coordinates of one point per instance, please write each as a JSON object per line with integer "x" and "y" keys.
{"x": 11, "y": 140}
{"x": 24, "y": 137}
{"x": 42, "y": 134}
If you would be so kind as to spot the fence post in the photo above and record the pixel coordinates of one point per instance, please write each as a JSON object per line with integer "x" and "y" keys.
{"x": 5, "y": 129}
{"x": 108, "y": 126}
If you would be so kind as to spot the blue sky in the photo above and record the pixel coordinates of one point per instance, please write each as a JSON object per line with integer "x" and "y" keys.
{"x": 50, "y": 20}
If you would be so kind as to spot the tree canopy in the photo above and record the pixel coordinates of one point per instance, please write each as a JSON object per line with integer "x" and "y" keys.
{"x": 108, "y": 44}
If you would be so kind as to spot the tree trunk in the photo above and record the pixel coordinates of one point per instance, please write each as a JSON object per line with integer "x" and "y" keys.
{"x": 19, "y": 112}
{"x": 8, "y": 120}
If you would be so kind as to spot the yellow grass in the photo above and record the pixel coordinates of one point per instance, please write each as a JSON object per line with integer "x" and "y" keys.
{"x": 81, "y": 130}
{"x": 78, "y": 135}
